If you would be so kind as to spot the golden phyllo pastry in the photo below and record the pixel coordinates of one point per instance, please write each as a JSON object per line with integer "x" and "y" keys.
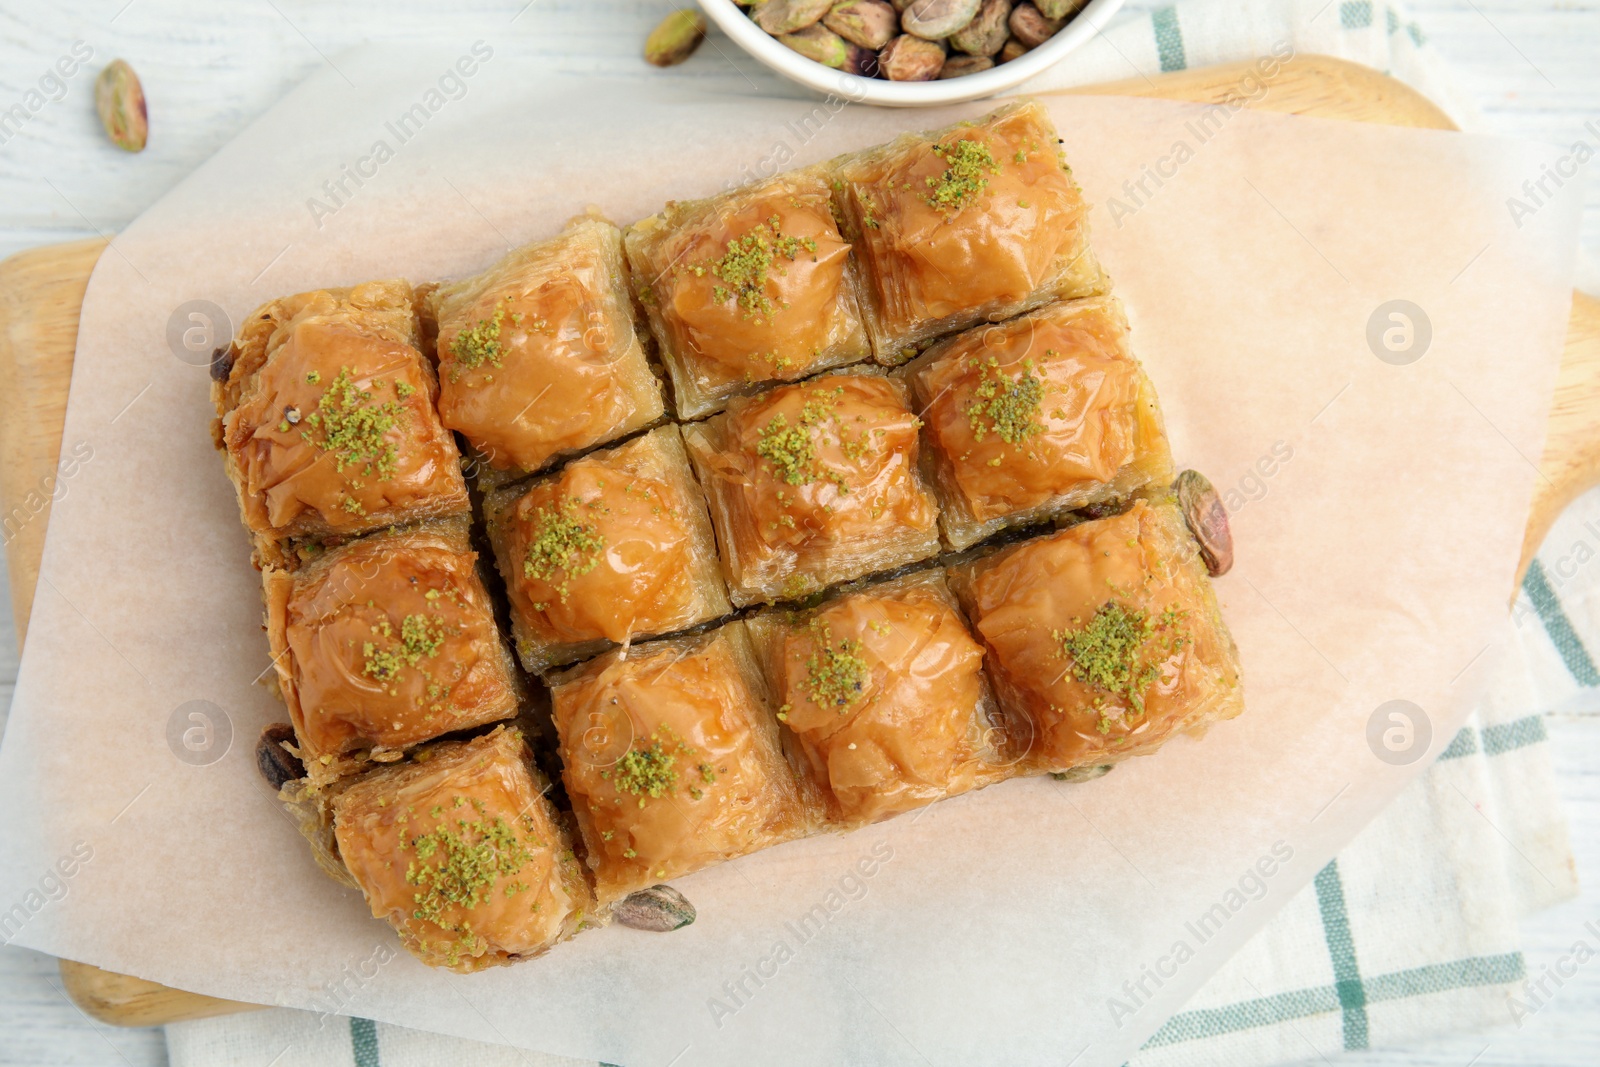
{"x": 326, "y": 417}
{"x": 672, "y": 761}
{"x": 615, "y": 546}
{"x": 1104, "y": 637}
{"x": 538, "y": 356}
{"x": 387, "y": 641}
{"x": 814, "y": 483}
{"x": 749, "y": 287}
{"x": 1036, "y": 417}
{"x": 883, "y": 692}
{"x": 463, "y": 855}
{"x": 975, "y": 222}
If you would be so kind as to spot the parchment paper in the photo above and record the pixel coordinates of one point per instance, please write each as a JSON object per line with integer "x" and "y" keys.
{"x": 1378, "y": 510}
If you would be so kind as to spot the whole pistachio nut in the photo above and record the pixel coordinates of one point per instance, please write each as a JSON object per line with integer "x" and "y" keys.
{"x": 937, "y": 19}
{"x": 119, "y": 98}
{"x": 277, "y": 764}
{"x": 1029, "y": 25}
{"x": 909, "y": 58}
{"x": 1059, "y": 9}
{"x": 779, "y": 17}
{"x": 1083, "y": 774}
{"x": 675, "y": 38}
{"x": 959, "y": 65}
{"x": 660, "y": 908}
{"x": 1207, "y": 519}
{"x": 986, "y": 34}
{"x": 820, "y": 44}
{"x": 900, "y": 5}
{"x": 1012, "y": 49}
{"x": 868, "y": 23}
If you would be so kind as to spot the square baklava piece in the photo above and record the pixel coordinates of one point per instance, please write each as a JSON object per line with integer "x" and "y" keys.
{"x": 615, "y": 546}
{"x": 325, "y": 416}
{"x": 387, "y": 641}
{"x": 882, "y": 690}
{"x": 463, "y": 854}
{"x": 1027, "y": 420}
{"x": 1105, "y": 637}
{"x": 538, "y": 355}
{"x": 749, "y": 287}
{"x": 976, "y": 222}
{"x": 815, "y": 483}
{"x": 673, "y": 761}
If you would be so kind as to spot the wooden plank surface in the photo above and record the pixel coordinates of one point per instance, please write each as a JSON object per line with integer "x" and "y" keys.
{"x": 41, "y": 292}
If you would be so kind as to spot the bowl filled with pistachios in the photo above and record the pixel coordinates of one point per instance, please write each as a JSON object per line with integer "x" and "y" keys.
{"x": 909, "y": 53}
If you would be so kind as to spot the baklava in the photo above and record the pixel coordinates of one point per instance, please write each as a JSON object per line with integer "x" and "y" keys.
{"x": 976, "y": 222}
{"x": 463, "y": 854}
{"x": 538, "y": 355}
{"x": 1033, "y": 418}
{"x": 325, "y": 416}
{"x": 1104, "y": 636}
{"x": 746, "y": 288}
{"x": 815, "y": 483}
{"x": 883, "y": 692}
{"x": 615, "y": 546}
{"x": 387, "y": 641}
{"x": 673, "y": 761}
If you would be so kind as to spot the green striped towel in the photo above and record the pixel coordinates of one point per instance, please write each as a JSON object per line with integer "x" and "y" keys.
{"x": 1412, "y": 930}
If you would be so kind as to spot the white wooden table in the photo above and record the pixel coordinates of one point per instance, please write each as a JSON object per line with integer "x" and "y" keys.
{"x": 210, "y": 68}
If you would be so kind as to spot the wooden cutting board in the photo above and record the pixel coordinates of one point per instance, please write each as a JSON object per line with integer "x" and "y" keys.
{"x": 41, "y": 294}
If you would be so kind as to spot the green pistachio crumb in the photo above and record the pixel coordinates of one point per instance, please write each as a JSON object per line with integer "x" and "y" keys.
{"x": 1120, "y": 650}
{"x": 1005, "y": 406}
{"x": 836, "y": 674}
{"x": 478, "y": 344}
{"x": 562, "y": 544}
{"x": 967, "y": 164}
{"x": 354, "y": 428}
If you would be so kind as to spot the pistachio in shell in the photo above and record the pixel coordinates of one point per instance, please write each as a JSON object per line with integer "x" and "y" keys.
{"x": 868, "y": 23}
{"x": 934, "y": 20}
{"x": 119, "y": 100}
{"x": 959, "y": 66}
{"x": 986, "y": 34}
{"x": 660, "y": 908}
{"x": 1083, "y": 774}
{"x": 1207, "y": 519}
{"x": 779, "y": 17}
{"x": 1012, "y": 49}
{"x": 1030, "y": 26}
{"x": 675, "y": 38}
{"x": 908, "y": 58}
{"x": 277, "y": 764}
{"x": 1059, "y": 9}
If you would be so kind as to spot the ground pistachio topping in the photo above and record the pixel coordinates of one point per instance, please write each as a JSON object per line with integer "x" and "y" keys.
{"x": 645, "y": 772}
{"x": 1120, "y": 650}
{"x": 791, "y": 449}
{"x": 355, "y": 428}
{"x": 420, "y": 639}
{"x": 458, "y": 864}
{"x": 747, "y": 261}
{"x": 478, "y": 344}
{"x": 561, "y": 543}
{"x": 1005, "y": 406}
{"x": 967, "y": 166}
{"x": 836, "y": 674}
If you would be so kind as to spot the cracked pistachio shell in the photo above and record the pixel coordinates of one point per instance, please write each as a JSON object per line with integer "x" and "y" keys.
{"x": 660, "y": 908}
{"x": 1059, "y": 9}
{"x": 675, "y": 38}
{"x": 937, "y": 19}
{"x": 1207, "y": 519}
{"x": 986, "y": 34}
{"x": 1013, "y": 49}
{"x": 779, "y": 17}
{"x": 868, "y": 23}
{"x": 119, "y": 99}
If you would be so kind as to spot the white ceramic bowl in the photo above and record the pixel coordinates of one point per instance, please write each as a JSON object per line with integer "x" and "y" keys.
{"x": 753, "y": 39}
